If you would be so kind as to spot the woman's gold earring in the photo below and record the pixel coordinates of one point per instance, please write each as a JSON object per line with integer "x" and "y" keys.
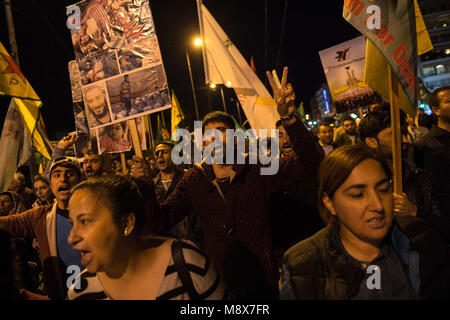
{"x": 125, "y": 232}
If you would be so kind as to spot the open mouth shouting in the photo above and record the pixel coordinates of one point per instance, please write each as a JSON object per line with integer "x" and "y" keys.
{"x": 86, "y": 257}
{"x": 64, "y": 189}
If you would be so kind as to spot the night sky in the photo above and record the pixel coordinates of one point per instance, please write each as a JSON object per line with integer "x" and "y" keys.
{"x": 45, "y": 48}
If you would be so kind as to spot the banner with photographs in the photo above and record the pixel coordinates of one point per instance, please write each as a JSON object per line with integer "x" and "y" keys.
{"x": 343, "y": 65}
{"x": 86, "y": 137}
{"x": 105, "y": 139}
{"x": 119, "y": 61}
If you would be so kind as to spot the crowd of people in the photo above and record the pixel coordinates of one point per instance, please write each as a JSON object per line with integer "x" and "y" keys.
{"x": 317, "y": 229}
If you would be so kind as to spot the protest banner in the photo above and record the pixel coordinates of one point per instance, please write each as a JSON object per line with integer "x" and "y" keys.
{"x": 395, "y": 44}
{"x": 343, "y": 65}
{"x": 120, "y": 68}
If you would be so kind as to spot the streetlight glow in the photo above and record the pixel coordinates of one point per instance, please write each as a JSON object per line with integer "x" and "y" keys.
{"x": 228, "y": 83}
{"x": 198, "y": 42}
{"x": 212, "y": 85}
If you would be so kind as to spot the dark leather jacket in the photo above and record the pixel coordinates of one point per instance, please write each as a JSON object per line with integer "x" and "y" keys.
{"x": 316, "y": 268}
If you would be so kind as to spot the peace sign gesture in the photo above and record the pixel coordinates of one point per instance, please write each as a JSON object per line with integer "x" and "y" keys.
{"x": 284, "y": 95}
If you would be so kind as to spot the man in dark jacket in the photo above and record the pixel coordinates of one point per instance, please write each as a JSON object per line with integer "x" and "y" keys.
{"x": 420, "y": 196}
{"x": 293, "y": 211}
{"x": 349, "y": 137}
{"x": 168, "y": 175}
{"x": 434, "y": 157}
{"x": 232, "y": 203}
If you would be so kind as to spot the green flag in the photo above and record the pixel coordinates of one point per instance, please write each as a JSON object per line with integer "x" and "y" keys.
{"x": 163, "y": 133}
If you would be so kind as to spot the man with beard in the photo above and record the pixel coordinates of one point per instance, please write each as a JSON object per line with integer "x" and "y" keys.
{"x": 165, "y": 182}
{"x": 232, "y": 201}
{"x": 168, "y": 176}
{"x": 18, "y": 185}
{"x": 96, "y": 103}
{"x": 420, "y": 193}
{"x": 51, "y": 226}
{"x": 349, "y": 136}
{"x": 325, "y": 135}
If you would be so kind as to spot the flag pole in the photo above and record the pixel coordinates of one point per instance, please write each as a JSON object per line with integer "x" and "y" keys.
{"x": 163, "y": 119}
{"x": 135, "y": 138}
{"x": 15, "y": 55}
{"x": 396, "y": 134}
{"x": 200, "y": 23}
{"x": 124, "y": 163}
{"x": 11, "y": 32}
{"x": 192, "y": 84}
{"x": 148, "y": 127}
{"x": 223, "y": 99}
{"x": 238, "y": 111}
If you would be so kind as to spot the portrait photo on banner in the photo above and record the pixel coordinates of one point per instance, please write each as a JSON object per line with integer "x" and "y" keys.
{"x": 96, "y": 104}
{"x": 114, "y": 138}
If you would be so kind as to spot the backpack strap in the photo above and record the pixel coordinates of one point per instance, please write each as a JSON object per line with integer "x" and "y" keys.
{"x": 182, "y": 270}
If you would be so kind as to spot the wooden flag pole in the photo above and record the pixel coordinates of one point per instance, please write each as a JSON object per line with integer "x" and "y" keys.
{"x": 396, "y": 135}
{"x": 150, "y": 127}
{"x": 135, "y": 138}
{"x": 124, "y": 163}
{"x": 223, "y": 99}
{"x": 148, "y": 130}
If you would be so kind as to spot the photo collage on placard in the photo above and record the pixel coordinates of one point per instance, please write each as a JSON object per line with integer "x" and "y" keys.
{"x": 120, "y": 69}
{"x": 86, "y": 138}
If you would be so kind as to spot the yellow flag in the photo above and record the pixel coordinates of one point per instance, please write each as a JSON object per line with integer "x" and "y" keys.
{"x": 423, "y": 38}
{"x": 177, "y": 113}
{"x": 13, "y": 83}
{"x": 375, "y": 72}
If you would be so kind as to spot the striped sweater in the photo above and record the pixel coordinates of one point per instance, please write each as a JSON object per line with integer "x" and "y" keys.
{"x": 206, "y": 281}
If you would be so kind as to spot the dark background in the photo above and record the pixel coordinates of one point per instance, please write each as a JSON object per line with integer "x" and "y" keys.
{"x": 45, "y": 48}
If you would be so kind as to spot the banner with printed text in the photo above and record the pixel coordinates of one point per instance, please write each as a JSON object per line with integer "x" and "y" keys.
{"x": 396, "y": 39}
{"x": 343, "y": 65}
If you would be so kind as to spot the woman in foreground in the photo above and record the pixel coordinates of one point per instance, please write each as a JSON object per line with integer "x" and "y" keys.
{"x": 364, "y": 252}
{"x": 108, "y": 216}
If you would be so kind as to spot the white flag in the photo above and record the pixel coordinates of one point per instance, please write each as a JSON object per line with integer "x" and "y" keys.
{"x": 15, "y": 146}
{"x": 224, "y": 64}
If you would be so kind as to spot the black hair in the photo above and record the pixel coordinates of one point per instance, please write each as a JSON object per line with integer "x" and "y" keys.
{"x": 218, "y": 116}
{"x": 337, "y": 167}
{"x": 40, "y": 177}
{"x": 121, "y": 195}
{"x": 378, "y": 120}
{"x": 347, "y": 117}
{"x": 433, "y": 100}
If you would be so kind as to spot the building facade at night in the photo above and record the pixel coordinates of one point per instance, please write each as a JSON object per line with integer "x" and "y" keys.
{"x": 434, "y": 66}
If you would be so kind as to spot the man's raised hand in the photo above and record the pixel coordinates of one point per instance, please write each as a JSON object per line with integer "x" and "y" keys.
{"x": 140, "y": 168}
{"x": 284, "y": 95}
{"x": 68, "y": 140}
